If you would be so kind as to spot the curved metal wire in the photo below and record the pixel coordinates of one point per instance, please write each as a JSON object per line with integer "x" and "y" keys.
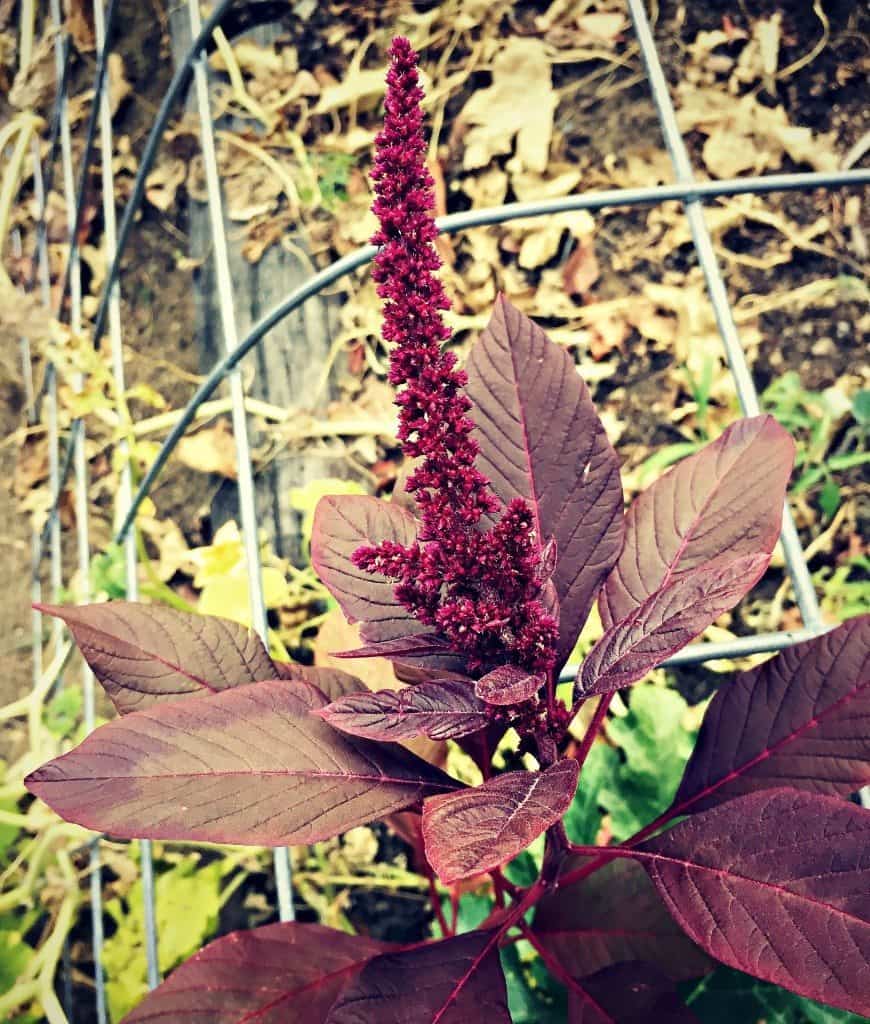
{"x": 451, "y": 224}
{"x": 703, "y": 242}
{"x": 262, "y": 12}
{"x": 233, "y": 23}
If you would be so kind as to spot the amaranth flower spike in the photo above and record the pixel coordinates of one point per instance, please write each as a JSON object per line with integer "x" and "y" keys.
{"x": 479, "y": 587}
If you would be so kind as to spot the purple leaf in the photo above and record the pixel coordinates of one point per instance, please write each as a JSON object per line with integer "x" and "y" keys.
{"x": 495, "y": 821}
{"x": 344, "y": 523}
{"x": 439, "y": 710}
{"x": 776, "y": 884}
{"x": 279, "y": 974}
{"x": 541, "y": 439}
{"x": 332, "y": 682}
{"x": 801, "y": 719}
{"x": 399, "y": 647}
{"x": 507, "y": 684}
{"x": 628, "y": 993}
{"x": 249, "y": 766}
{"x": 454, "y": 981}
{"x": 666, "y": 622}
{"x": 143, "y": 654}
{"x": 613, "y": 915}
{"x": 725, "y": 501}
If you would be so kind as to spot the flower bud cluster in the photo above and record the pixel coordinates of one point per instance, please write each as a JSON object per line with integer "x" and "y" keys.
{"x": 480, "y": 587}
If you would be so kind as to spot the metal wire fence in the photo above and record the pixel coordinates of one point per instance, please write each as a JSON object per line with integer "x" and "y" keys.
{"x": 71, "y": 458}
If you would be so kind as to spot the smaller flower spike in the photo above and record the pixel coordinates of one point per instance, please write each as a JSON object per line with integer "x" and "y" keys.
{"x": 479, "y": 587}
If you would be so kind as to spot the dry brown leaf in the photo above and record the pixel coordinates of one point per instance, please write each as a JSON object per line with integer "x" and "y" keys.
{"x": 119, "y": 87}
{"x": 31, "y": 466}
{"x": 212, "y": 450}
{"x": 164, "y": 181}
{"x": 80, "y": 25}
{"x": 581, "y": 270}
{"x": 519, "y": 104}
{"x": 337, "y": 634}
{"x": 33, "y": 87}
{"x": 745, "y": 135}
{"x": 361, "y": 86}
{"x": 601, "y": 26}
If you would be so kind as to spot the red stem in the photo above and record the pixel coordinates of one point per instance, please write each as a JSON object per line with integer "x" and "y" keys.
{"x": 594, "y": 728}
{"x": 558, "y": 971}
{"x": 604, "y": 854}
{"x": 436, "y": 906}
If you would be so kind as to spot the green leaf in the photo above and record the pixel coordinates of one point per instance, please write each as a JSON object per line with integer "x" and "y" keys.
{"x": 473, "y": 909}
{"x": 583, "y": 819}
{"x": 8, "y": 833}
{"x": 188, "y": 900}
{"x": 63, "y": 712}
{"x": 15, "y": 953}
{"x": 656, "y": 745}
{"x": 726, "y": 996}
{"x": 109, "y": 572}
{"x": 533, "y": 996}
{"x": 829, "y": 498}
{"x": 861, "y": 407}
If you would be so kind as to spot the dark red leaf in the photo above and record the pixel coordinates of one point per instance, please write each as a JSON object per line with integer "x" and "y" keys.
{"x": 399, "y": 647}
{"x": 723, "y": 502}
{"x": 776, "y": 884}
{"x": 454, "y": 981}
{"x": 279, "y": 974}
{"x": 439, "y": 710}
{"x": 342, "y": 524}
{"x": 249, "y": 766}
{"x": 143, "y": 654}
{"x": 628, "y": 993}
{"x": 666, "y": 622}
{"x": 495, "y": 821}
{"x": 801, "y": 719}
{"x": 507, "y": 684}
{"x": 332, "y": 682}
{"x": 541, "y": 439}
{"x": 613, "y": 915}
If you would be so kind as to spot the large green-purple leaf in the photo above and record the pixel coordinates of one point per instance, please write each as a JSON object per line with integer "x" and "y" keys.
{"x": 801, "y": 719}
{"x": 611, "y": 916}
{"x": 777, "y": 884}
{"x": 627, "y": 993}
{"x": 495, "y": 821}
{"x": 144, "y": 653}
{"x": 342, "y": 524}
{"x": 541, "y": 439}
{"x": 666, "y": 622}
{"x": 440, "y": 710}
{"x": 279, "y": 974}
{"x": 725, "y": 502}
{"x": 332, "y": 682}
{"x": 251, "y": 765}
{"x": 454, "y": 981}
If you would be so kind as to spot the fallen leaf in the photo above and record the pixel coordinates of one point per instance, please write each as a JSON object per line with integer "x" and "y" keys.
{"x": 212, "y": 450}
{"x": 519, "y": 104}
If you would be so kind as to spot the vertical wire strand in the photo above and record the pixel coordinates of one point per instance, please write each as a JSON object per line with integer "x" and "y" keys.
{"x": 125, "y": 488}
{"x": 247, "y": 499}
{"x": 72, "y": 200}
{"x": 748, "y": 396}
{"x": 61, "y": 54}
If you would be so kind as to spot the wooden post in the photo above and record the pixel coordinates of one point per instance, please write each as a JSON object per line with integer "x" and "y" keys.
{"x": 289, "y": 361}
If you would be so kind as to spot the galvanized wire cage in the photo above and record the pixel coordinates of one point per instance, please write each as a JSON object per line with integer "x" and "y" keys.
{"x": 108, "y": 324}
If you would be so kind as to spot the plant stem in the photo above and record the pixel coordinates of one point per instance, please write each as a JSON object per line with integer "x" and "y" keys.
{"x": 436, "y": 906}
{"x": 558, "y": 971}
{"x": 604, "y": 854}
{"x": 594, "y": 728}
